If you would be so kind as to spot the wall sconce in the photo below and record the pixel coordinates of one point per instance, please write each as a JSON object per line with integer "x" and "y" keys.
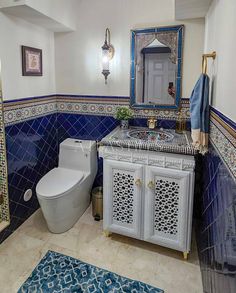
{"x": 107, "y": 54}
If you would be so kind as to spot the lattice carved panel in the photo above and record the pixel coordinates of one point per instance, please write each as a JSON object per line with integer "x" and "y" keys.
{"x": 166, "y": 206}
{"x": 123, "y": 196}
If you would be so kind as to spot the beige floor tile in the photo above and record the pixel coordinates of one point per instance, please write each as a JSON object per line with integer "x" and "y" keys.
{"x": 36, "y": 227}
{"x": 19, "y": 254}
{"x": 67, "y": 240}
{"x": 158, "y": 266}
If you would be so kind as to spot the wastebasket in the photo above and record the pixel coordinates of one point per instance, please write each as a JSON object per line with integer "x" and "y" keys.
{"x": 97, "y": 203}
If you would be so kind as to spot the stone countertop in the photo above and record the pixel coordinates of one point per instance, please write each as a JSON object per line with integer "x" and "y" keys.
{"x": 180, "y": 144}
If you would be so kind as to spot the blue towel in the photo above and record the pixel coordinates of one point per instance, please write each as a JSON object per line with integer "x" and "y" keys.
{"x": 199, "y": 112}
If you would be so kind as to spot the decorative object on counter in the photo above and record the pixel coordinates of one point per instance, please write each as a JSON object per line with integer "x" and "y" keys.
{"x": 199, "y": 108}
{"x": 124, "y": 124}
{"x": 180, "y": 123}
{"x": 57, "y": 272}
{"x": 151, "y": 122}
{"x": 97, "y": 203}
{"x": 124, "y": 114}
{"x": 31, "y": 61}
{"x": 107, "y": 54}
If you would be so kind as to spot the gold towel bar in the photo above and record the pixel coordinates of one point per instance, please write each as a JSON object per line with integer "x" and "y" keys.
{"x": 204, "y": 60}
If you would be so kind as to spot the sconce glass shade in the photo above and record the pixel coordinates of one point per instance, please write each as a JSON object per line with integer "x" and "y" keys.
{"x": 105, "y": 61}
{"x": 107, "y": 55}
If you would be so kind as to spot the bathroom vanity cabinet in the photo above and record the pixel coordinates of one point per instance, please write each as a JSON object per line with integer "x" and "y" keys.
{"x": 149, "y": 195}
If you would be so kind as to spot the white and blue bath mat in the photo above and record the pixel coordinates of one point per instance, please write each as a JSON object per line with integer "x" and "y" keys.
{"x": 58, "y": 273}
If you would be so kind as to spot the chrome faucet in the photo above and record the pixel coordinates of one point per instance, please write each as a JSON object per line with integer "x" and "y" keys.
{"x": 151, "y": 122}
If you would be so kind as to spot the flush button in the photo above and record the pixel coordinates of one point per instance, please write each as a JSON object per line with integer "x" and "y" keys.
{"x": 28, "y": 194}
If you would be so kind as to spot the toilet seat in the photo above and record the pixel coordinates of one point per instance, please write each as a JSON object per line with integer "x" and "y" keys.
{"x": 57, "y": 182}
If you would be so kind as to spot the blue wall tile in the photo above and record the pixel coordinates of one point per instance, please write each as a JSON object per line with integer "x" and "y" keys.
{"x": 32, "y": 150}
{"x": 95, "y": 128}
{"x": 86, "y": 127}
{"x": 217, "y": 226}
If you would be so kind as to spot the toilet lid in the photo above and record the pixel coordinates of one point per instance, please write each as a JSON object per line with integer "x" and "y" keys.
{"x": 58, "y": 181}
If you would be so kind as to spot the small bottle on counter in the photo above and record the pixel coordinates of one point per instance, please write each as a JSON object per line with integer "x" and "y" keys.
{"x": 180, "y": 123}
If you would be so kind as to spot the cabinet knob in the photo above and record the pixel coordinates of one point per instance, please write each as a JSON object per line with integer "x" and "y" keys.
{"x": 138, "y": 182}
{"x": 151, "y": 185}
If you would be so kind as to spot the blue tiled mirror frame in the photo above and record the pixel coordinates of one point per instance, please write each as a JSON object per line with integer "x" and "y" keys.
{"x": 179, "y": 29}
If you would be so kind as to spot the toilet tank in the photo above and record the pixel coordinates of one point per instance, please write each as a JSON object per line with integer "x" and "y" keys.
{"x": 78, "y": 154}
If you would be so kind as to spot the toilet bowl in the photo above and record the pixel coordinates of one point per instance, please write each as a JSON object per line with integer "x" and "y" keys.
{"x": 64, "y": 192}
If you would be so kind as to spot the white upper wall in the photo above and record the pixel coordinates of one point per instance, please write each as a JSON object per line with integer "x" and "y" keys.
{"x": 60, "y": 10}
{"x": 56, "y": 14}
{"x": 15, "y": 32}
{"x": 220, "y": 37}
{"x": 186, "y": 9}
{"x": 78, "y": 54}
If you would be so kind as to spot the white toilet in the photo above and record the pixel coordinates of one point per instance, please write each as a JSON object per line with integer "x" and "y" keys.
{"x": 64, "y": 192}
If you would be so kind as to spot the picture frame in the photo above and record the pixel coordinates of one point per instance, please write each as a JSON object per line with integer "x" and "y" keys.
{"x": 32, "y": 64}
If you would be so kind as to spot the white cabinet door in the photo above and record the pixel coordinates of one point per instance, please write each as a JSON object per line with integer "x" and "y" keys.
{"x": 122, "y": 190}
{"x": 166, "y": 212}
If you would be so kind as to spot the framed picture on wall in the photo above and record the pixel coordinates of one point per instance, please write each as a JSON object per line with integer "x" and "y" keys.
{"x": 31, "y": 61}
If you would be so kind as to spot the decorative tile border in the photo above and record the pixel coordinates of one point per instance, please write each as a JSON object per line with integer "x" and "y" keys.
{"x": 21, "y": 110}
{"x": 4, "y": 207}
{"x": 223, "y": 138}
{"x": 106, "y": 106}
{"x": 163, "y": 114}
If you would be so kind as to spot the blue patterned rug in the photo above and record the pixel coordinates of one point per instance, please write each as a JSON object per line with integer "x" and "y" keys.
{"x": 60, "y": 273}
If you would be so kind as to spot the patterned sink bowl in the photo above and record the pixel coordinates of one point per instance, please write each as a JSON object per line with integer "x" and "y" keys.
{"x": 151, "y": 135}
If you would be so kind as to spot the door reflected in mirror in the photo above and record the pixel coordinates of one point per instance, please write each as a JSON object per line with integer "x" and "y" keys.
{"x": 156, "y": 60}
{"x": 159, "y": 74}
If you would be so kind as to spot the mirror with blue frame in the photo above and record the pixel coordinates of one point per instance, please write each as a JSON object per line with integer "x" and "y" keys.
{"x": 156, "y": 67}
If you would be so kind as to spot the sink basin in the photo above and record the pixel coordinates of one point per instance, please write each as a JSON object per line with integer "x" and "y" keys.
{"x": 151, "y": 135}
